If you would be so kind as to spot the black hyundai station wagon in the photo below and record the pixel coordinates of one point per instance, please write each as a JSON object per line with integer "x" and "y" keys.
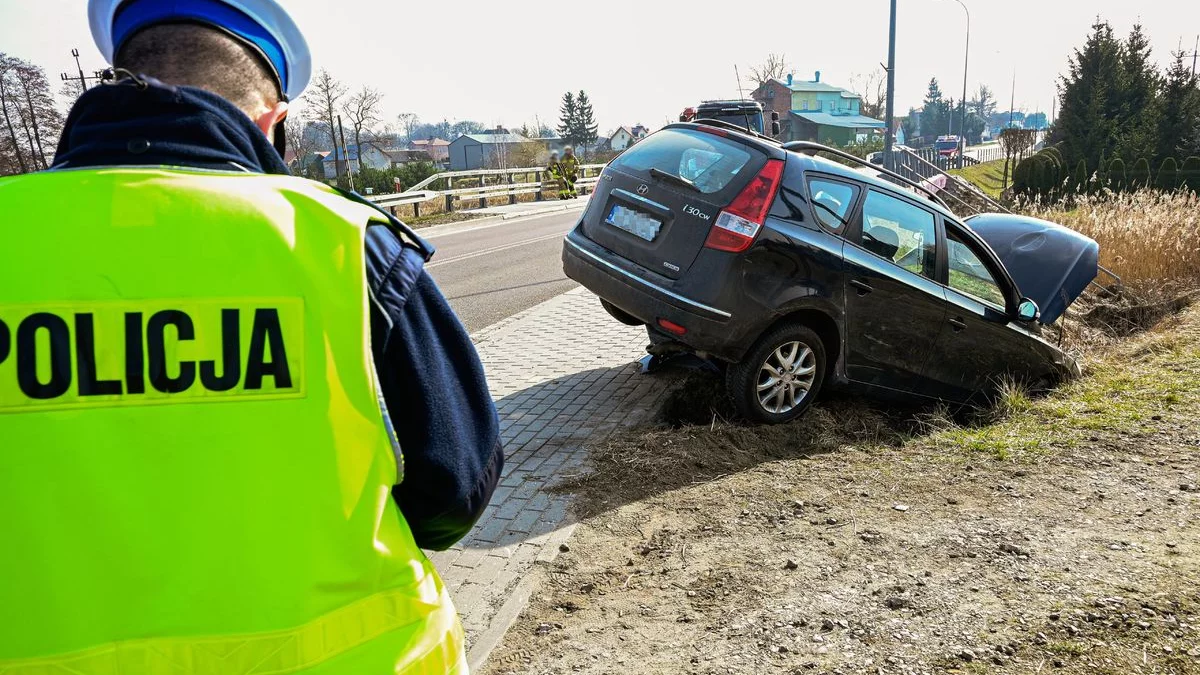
{"x": 795, "y": 272}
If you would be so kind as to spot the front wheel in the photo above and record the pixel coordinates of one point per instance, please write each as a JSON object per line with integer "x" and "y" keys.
{"x": 780, "y": 377}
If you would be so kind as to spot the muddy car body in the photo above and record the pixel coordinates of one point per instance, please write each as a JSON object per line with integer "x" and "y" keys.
{"x": 799, "y": 272}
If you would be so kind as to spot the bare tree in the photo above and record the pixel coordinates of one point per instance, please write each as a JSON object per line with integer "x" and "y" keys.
{"x": 873, "y": 89}
{"x": 362, "y": 111}
{"x": 10, "y": 105}
{"x": 301, "y": 144}
{"x": 776, "y": 66}
{"x": 409, "y": 122}
{"x": 44, "y": 119}
{"x": 984, "y": 102}
{"x": 1016, "y": 142}
{"x": 324, "y": 98}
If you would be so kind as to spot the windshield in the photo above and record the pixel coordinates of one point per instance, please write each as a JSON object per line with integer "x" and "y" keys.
{"x": 946, "y": 145}
{"x": 736, "y": 118}
{"x": 707, "y": 161}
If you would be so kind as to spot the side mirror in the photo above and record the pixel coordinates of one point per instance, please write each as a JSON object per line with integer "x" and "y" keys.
{"x": 774, "y": 116}
{"x": 1028, "y": 310}
{"x": 775, "y": 127}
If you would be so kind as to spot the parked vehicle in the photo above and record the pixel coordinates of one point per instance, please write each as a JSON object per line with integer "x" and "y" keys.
{"x": 796, "y": 272}
{"x": 743, "y": 114}
{"x": 947, "y": 146}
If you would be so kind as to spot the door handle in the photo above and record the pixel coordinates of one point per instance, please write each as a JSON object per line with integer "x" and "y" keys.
{"x": 958, "y": 324}
{"x": 862, "y": 286}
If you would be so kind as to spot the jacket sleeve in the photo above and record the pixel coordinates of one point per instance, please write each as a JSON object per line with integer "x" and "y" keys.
{"x": 436, "y": 396}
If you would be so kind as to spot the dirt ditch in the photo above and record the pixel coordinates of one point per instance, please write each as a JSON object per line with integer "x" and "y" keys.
{"x": 1057, "y": 535}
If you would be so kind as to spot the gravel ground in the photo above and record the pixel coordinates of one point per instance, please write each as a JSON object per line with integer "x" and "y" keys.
{"x": 1059, "y": 535}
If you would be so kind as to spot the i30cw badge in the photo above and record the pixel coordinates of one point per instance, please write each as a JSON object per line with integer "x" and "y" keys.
{"x": 643, "y": 189}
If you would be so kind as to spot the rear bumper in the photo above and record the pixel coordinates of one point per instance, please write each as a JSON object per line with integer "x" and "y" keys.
{"x": 712, "y": 330}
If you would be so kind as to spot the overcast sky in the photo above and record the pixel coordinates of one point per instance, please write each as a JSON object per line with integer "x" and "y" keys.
{"x": 642, "y": 61}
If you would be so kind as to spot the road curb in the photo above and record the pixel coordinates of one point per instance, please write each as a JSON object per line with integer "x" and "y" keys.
{"x": 536, "y": 212}
{"x": 517, "y": 601}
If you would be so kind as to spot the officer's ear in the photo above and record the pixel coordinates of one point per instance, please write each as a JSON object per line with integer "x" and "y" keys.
{"x": 266, "y": 121}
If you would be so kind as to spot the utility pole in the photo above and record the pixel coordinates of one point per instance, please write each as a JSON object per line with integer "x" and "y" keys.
{"x": 346, "y": 155}
{"x": 83, "y": 79}
{"x": 889, "y": 161}
{"x": 962, "y": 120}
{"x": 1012, "y": 104}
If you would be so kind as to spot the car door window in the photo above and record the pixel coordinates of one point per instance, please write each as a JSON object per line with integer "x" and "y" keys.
{"x": 968, "y": 274}
{"x": 900, "y": 232}
{"x": 831, "y": 202}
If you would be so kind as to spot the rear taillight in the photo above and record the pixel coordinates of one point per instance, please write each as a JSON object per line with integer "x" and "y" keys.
{"x": 671, "y": 327}
{"x": 738, "y": 224}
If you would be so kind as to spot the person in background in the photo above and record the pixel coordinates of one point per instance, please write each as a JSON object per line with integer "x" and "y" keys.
{"x": 554, "y": 173}
{"x": 239, "y": 409}
{"x": 570, "y": 171}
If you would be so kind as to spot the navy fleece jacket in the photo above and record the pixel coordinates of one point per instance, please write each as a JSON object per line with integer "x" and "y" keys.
{"x": 431, "y": 379}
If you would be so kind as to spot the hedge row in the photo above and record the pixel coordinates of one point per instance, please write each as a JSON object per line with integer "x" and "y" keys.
{"x": 1046, "y": 174}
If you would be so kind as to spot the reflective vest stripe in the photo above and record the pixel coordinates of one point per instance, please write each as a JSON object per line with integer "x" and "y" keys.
{"x": 278, "y": 652}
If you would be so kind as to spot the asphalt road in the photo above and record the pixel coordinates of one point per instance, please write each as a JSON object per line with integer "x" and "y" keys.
{"x": 494, "y": 270}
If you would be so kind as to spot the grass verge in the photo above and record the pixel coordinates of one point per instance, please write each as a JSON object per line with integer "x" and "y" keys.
{"x": 987, "y": 176}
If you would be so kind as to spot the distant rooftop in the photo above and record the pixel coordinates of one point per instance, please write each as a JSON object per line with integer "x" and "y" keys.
{"x": 496, "y": 139}
{"x": 815, "y": 85}
{"x": 844, "y": 121}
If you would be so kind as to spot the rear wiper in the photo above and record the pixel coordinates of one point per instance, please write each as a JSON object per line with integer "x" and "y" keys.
{"x": 678, "y": 180}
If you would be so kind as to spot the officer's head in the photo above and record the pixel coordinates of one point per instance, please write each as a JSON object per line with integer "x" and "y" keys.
{"x": 568, "y": 150}
{"x": 201, "y": 56}
{"x": 249, "y": 52}
{"x": 553, "y": 156}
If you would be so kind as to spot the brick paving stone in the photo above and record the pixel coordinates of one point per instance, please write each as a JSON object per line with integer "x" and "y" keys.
{"x": 564, "y": 376}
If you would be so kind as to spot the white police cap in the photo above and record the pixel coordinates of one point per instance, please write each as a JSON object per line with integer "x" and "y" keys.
{"x": 263, "y": 24}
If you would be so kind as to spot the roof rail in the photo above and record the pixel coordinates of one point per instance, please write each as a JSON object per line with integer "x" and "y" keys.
{"x": 810, "y": 148}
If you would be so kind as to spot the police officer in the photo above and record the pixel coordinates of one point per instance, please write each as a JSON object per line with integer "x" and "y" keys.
{"x": 554, "y": 174}
{"x": 208, "y": 370}
{"x": 570, "y": 172}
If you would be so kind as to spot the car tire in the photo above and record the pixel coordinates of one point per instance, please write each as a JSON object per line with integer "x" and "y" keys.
{"x": 621, "y": 315}
{"x": 758, "y": 390}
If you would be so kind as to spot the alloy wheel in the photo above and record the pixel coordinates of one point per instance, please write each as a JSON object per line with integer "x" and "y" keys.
{"x": 786, "y": 377}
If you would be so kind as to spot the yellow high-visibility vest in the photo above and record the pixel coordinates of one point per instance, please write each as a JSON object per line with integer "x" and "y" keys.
{"x": 195, "y": 473}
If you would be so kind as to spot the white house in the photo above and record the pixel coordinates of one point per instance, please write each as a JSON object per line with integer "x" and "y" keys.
{"x": 372, "y": 157}
{"x": 621, "y": 138}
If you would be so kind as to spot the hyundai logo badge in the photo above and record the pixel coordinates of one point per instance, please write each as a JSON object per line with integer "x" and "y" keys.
{"x": 643, "y": 189}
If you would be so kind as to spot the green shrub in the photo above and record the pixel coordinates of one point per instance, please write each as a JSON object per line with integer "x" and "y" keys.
{"x": 1139, "y": 177}
{"x": 382, "y": 181}
{"x": 1037, "y": 175}
{"x": 1116, "y": 175}
{"x": 1189, "y": 174}
{"x": 1055, "y": 154}
{"x": 1168, "y": 175}
{"x": 1020, "y": 176}
{"x": 1082, "y": 178}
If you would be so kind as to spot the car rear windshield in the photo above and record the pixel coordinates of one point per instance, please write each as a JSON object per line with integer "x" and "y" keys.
{"x": 946, "y": 145}
{"x": 708, "y": 161}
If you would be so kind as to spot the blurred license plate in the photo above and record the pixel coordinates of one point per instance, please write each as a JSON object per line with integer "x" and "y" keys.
{"x": 634, "y": 222}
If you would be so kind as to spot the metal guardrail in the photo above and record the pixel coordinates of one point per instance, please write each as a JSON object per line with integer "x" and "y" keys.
{"x": 965, "y": 195}
{"x": 505, "y": 186}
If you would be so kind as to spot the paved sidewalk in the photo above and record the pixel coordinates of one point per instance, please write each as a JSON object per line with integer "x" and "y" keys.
{"x": 563, "y": 373}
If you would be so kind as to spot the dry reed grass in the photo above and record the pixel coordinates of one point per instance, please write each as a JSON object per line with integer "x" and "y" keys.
{"x": 1150, "y": 239}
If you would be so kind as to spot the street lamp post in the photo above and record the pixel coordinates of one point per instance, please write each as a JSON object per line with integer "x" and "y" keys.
{"x": 888, "y": 161}
{"x": 962, "y": 120}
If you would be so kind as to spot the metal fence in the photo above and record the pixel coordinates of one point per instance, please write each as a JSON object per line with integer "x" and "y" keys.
{"x": 459, "y": 189}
